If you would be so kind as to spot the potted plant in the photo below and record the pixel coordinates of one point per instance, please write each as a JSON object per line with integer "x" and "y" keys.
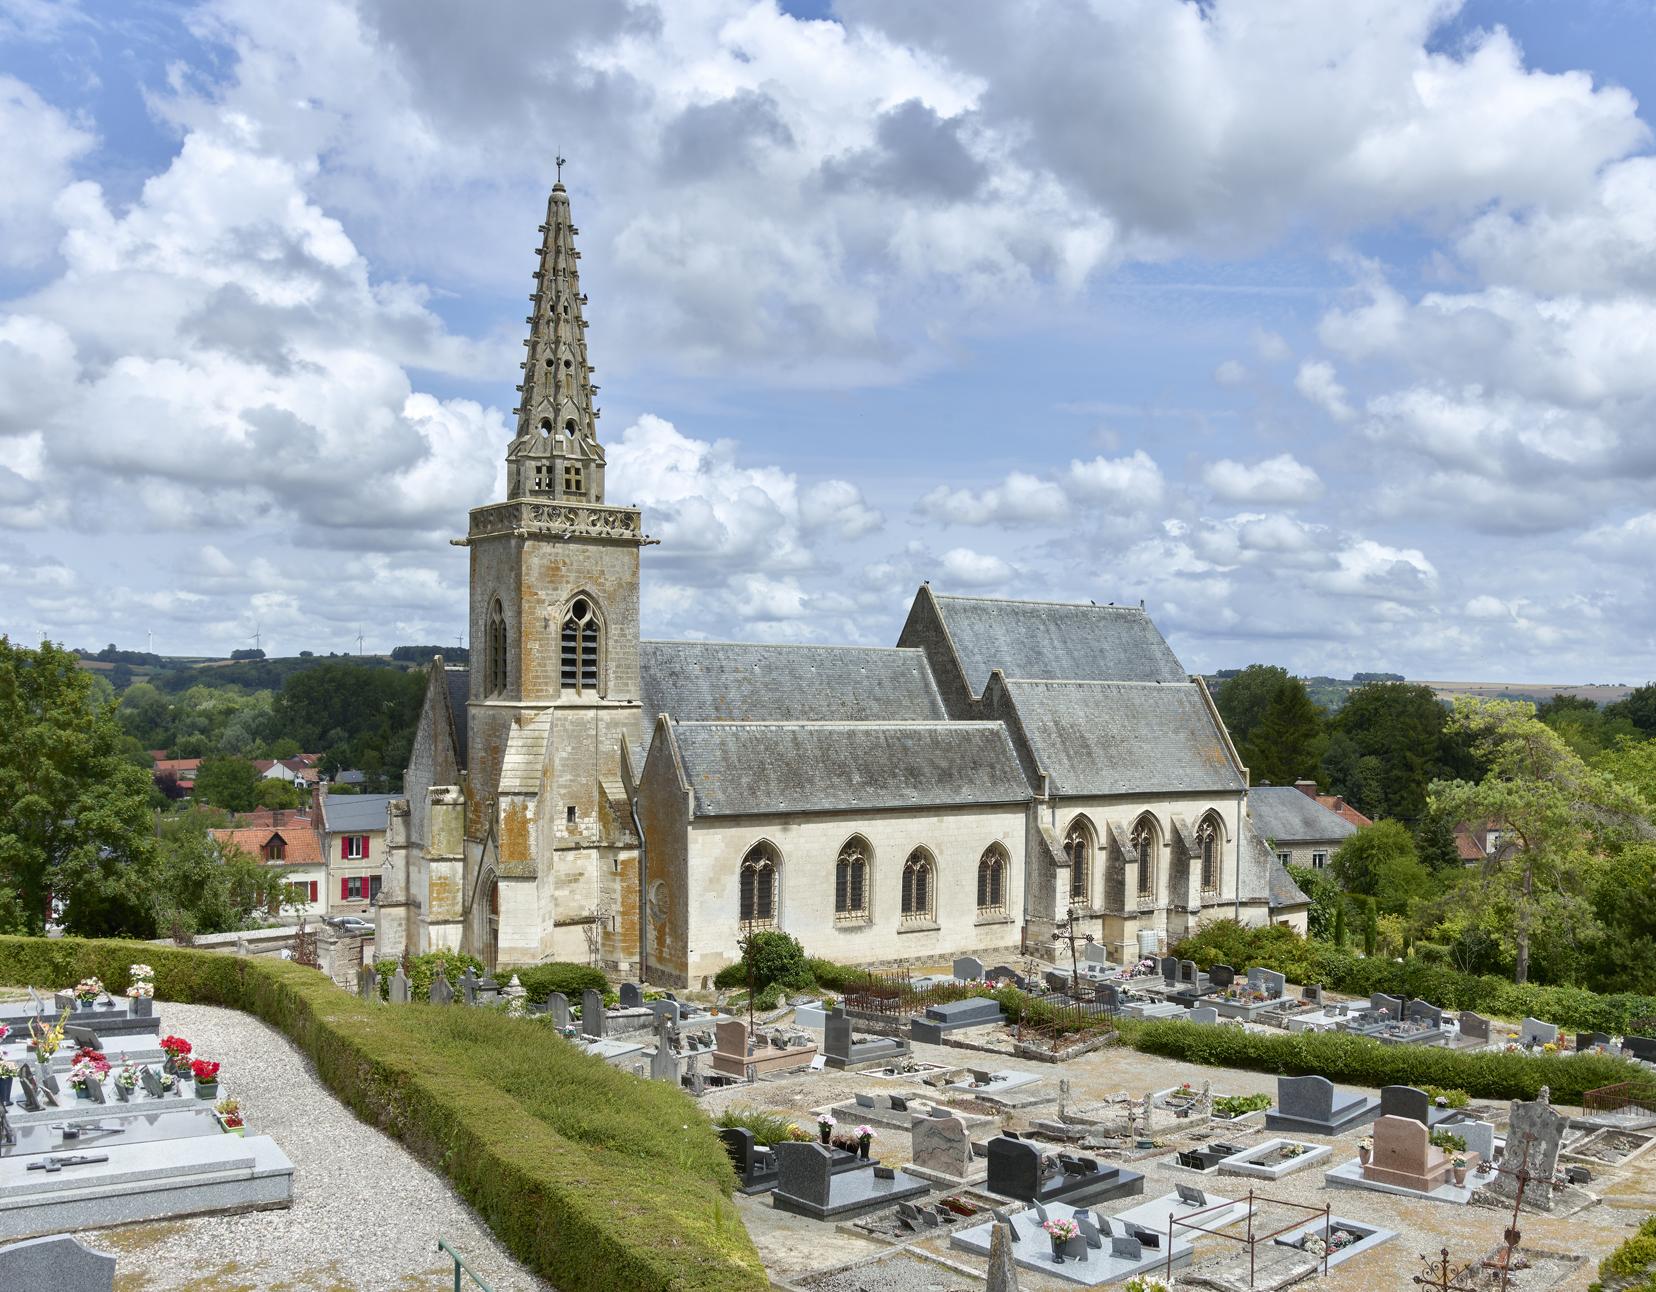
{"x": 229, "y": 1116}
{"x": 126, "y": 1081}
{"x": 865, "y": 1137}
{"x": 205, "y": 1072}
{"x": 141, "y": 991}
{"x": 1060, "y": 1231}
{"x": 88, "y": 990}
{"x": 1458, "y": 1166}
{"x": 1365, "y": 1146}
{"x": 8, "y": 1070}
{"x": 177, "y": 1050}
{"x": 169, "y": 1081}
{"x": 825, "y": 1127}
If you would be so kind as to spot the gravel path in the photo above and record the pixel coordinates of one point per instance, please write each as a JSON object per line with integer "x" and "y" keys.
{"x": 366, "y": 1214}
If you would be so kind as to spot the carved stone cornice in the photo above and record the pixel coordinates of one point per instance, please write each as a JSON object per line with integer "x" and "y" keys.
{"x": 524, "y": 518}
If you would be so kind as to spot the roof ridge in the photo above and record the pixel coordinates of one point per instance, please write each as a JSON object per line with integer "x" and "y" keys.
{"x": 889, "y": 650}
{"x": 948, "y": 724}
{"x": 1093, "y": 681}
{"x": 1019, "y": 601}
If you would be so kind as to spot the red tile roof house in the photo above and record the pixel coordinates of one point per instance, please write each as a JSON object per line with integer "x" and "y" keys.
{"x": 182, "y": 770}
{"x": 286, "y": 840}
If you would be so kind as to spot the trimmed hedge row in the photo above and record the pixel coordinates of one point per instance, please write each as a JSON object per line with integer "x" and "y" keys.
{"x": 541, "y": 980}
{"x": 1305, "y": 961}
{"x": 1360, "y": 1061}
{"x": 590, "y": 1177}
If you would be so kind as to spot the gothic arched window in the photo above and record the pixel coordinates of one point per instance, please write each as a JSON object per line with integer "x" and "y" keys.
{"x": 1210, "y": 838}
{"x": 1145, "y": 840}
{"x": 991, "y": 880}
{"x": 1078, "y": 847}
{"x": 758, "y": 885}
{"x": 851, "y": 880}
{"x": 918, "y": 883}
{"x": 495, "y": 667}
{"x": 580, "y": 646}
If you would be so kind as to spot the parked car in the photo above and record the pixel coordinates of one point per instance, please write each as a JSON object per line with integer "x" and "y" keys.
{"x": 355, "y": 925}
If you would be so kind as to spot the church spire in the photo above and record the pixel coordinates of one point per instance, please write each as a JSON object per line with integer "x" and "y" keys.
{"x": 556, "y": 453}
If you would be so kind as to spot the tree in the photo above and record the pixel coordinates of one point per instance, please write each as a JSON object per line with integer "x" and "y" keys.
{"x": 1288, "y": 740}
{"x": 1556, "y": 816}
{"x": 1323, "y": 920}
{"x": 201, "y": 887}
{"x": 230, "y": 783}
{"x": 1389, "y": 743}
{"x": 1380, "y": 862}
{"x": 1243, "y": 698}
{"x": 1632, "y": 764}
{"x": 278, "y": 794}
{"x": 74, "y": 810}
{"x": 1639, "y": 708}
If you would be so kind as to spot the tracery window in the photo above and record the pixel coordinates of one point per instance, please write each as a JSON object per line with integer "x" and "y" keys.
{"x": 1210, "y": 839}
{"x": 580, "y": 646}
{"x": 918, "y": 883}
{"x": 1078, "y": 847}
{"x": 851, "y": 880}
{"x": 495, "y": 677}
{"x": 758, "y": 885}
{"x": 991, "y": 880}
{"x": 1144, "y": 849}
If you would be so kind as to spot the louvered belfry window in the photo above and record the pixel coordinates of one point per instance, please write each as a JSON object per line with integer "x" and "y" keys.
{"x": 580, "y": 647}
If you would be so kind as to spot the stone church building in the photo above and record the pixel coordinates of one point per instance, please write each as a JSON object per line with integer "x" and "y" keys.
{"x": 582, "y": 794}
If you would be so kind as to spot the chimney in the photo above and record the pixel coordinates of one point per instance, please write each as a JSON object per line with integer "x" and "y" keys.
{"x": 1308, "y": 788}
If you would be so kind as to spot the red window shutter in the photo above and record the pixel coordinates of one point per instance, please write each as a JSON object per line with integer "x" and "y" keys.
{"x": 344, "y": 847}
{"x": 365, "y": 839}
{"x": 313, "y": 890}
{"x": 344, "y": 889}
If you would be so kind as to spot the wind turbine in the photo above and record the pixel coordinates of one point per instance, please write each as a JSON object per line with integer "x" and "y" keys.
{"x": 257, "y": 636}
{"x": 359, "y": 641}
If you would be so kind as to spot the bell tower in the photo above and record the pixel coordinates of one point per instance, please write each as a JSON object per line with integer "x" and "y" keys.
{"x": 554, "y": 629}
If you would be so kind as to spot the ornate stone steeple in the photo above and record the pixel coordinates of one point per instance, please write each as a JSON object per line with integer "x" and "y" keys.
{"x": 556, "y": 455}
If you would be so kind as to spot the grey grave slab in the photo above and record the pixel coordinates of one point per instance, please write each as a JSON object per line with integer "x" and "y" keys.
{"x": 1031, "y": 1172}
{"x": 468, "y": 987}
{"x": 1311, "y": 1105}
{"x": 1120, "y": 1257}
{"x": 1535, "y": 1032}
{"x": 1203, "y": 1014}
{"x": 442, "y": 991}
{"x": 613, "y": 1050}
{"x": 1474, "y": 1027}
{"x": 58, "y": 1262}
{"x": 811, "y": 1014}
{"x": 848, "y": 1052}
{"x": 1265, "y": 1161}
{"x": 1368, "y": 1237}
{"x": 807, "y": 1185}
{"x": 114, "y": 1126}
{"x": 399, "y": 987}
{"x": 1407, "y": 1101}
{"x": 557, "y": 1008}
{"x": 592, "y": 1013}
{"x": 968, "y": 969}
{"x": 632, "y": 997}
{"x": 150, "y": 1181}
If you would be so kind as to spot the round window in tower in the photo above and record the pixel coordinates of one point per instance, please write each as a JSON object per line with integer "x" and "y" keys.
{"x": 569, "y": 427}
{"x": 545, "y": 427}
{"x": 579, "y": 609}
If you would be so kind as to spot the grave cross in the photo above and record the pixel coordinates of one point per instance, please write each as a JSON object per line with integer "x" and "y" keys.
{"x": 1442, "y": 1276}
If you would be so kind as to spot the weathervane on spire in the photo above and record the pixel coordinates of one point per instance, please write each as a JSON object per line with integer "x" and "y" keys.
{"x": 560, "y": 164}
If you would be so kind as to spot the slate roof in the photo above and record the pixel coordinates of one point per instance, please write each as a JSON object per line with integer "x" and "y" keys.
{"x": 1095, "y": 738}
{"x": 1056, "y": 640}
{"x": 747, "y": 768}
{"x": 739, "y": 682}
{"x": 459, "y": 689}
{"x": 1289, "y": 815}
{"x": 354, "y": 813}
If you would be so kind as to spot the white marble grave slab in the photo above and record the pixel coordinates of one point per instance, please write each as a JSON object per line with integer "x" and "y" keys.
{"x": 1251, "y": 1161}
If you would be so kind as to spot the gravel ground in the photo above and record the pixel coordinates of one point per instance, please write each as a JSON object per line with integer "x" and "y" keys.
{"x": 366, "y": 1214}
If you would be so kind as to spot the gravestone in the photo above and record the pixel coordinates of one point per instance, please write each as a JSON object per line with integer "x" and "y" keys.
{"x": 1096, "y": 953}
{"x": 1479, "y": 1137}
{"x": 1312, "y": 1104}
{"x": 151, "y": 1082}
{"x": 1003, "y": 1270}
{"x": 95, "y": 1088}
{"x": 1188, "y": 972}
{"x": 804, "y": 1172}
{"x": 367, "y": 983}
{"x": 1535, "y": 1132}
{"x": 731, "y": 1037}
{"x": 592, "y": 1013}
{"x": 1392, "y": 1005}
{"x": 557, "y": 1005}
{"x": 1535, "y": 1032}
{"x": 488, "y": 989}
{"x": 664, "y": 1064}
{"x": 942, "y": 1144}
{"x": 1642, "y": 1048}
{"x": 58, "y": 1262}
{"x": 631, "y": 996}
{"x": 1221, "y": 976}
{"x": 1474, "y": 1027}
{"x": 399, "y": 987}
{"x": 1204, "y": 1014}
{"x": 32, "y": 1102}
{"x": 442, "y": 991}
{"x": 1406, "y": 1101}
{"x": 1589, "y": 1040}
{"x": 64, "y": 1000}
{"x": 516, "y": 996}
{"x": 1056, "y": 981}
{"x": 968, "y": 969}
{"x": 1312, "y": 993}
{"x": 84, "y": 1038}
{"x": 1124, "y": 1247}
{"x": 468, "y": 986}
{"x": 1420, "y": 1012}
{"x": 1169, "y": 966}
{"x": 1268, "y": 981}
{"x": 1109, "y": 995}
{"x": 1006, "y": 973}
{"x": 668, "y": 1009}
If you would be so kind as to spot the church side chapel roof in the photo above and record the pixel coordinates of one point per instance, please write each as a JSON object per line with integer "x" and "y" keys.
{"x": 1096, "y": 738}
{"x": 742, "y": 682}
{"x": 459, "y": 690}
{"x": 754, "y": 768}
{"x": 1056, "y": 640}
{"x": 1263, "y": 872}
{"x": 1289, "y": 815}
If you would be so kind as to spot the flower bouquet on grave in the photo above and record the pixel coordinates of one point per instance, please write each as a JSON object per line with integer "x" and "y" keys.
{"x": 1458, "y": 1166}
{"x": 8, "y": 1070}
{"x": 177, "y": 1050}
{"x": 141, "y": 990}
{"x": 44, "y": 1041}
{"x": 126, "y": 1080}
{"x": 88, "y": 990}
{"x": 1365, "y": 1146}
{"x": 229, "y": 1116}
{"x": 1060, "y": 1232}
{"x": 1313, "y": 1247}
{"x": 169, "y": 1081}
{"x": 1144, "y": 1283}
{"x": 205, "y": 1072}
{"x": 83, "y": 1071}
{"x": 865, "y": 1137}
{"x": 825, "y": 1127}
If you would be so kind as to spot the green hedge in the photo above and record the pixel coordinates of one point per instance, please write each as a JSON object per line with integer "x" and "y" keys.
{"x": 1632, "y": 1266}
{"x": 422, "y": 971}
{"x": 1305, "y": 961}
{"x": 540, "y": 981}
{"x": 1360, "y": 1061}
{"x": 590, "y": 1177}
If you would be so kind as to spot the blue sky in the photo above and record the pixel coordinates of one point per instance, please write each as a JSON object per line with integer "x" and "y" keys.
{"x": 1324, "y": 329}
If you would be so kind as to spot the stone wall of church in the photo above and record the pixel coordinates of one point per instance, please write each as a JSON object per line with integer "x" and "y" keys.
{"x": 554, "y": 572}
{"x": 809, "y": 847}
{"x": 664, "y": 812}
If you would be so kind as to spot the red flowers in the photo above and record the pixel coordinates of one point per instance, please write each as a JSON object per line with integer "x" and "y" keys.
{"x": 176, "y": 1046}
{"x": 204, "y": 1071}
{"x": 94, "y": 1060}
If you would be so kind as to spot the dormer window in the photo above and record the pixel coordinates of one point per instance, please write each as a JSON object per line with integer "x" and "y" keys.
{"x": 574, "y": 486}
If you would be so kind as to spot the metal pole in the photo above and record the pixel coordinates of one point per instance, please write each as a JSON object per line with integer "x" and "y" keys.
{"x": 1252, "y": 1246}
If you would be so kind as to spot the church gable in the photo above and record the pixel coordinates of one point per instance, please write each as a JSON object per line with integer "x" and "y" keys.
{"x": 1052, "y": 641}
